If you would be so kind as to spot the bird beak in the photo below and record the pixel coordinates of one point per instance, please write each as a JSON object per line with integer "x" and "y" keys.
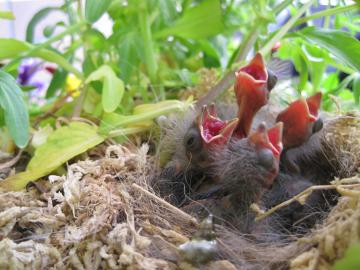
{"x": 270, "y": 139}
{"x": 213, "y": 130}
{"x": 251, "y": 92}
{"x": 298, "y": 118}
{"x": 275, "y": 138}
{"x": 314, "y": 103}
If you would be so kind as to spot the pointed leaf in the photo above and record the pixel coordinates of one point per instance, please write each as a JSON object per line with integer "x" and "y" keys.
{"x": 62, "y": 145}
{"x": 11, "y": 48}
{"x": 95, "y": 8}
{"x": 16, "y": 113}
{"x": 340, "y": 44}
{"x": 8, "y": 15}
{"x": 113, "y": 87}
{"x": 201, "y": 21}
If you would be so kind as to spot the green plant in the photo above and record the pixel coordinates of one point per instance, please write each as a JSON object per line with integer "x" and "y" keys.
{"x": 156, "y": 49}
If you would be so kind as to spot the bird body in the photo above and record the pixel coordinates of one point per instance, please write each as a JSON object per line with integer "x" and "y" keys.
{"x": 221, "y": 164}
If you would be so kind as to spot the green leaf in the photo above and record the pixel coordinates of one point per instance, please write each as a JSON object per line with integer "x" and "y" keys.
{"x": 8, "y": 15}
{"x": 16, "y": 114}
{"x": 351, "y": 259}
{"x": 11, "y": 48}
{"x": 129, "y": 53}
{"x": 340, "y": 44}
{"x": 356, "y": 88}
{"x": 38, "y": 16}
{"x": 316, "y": 61}
{"x": 113, "y": 87}
{"x": 50, "y": 29}
{"x": 143, "y": 114}
{"x": 57, "y": 82}
{"x": 201, "y": 21}
{"x": 95, "y": 8}
{"x": 62, "y": 145}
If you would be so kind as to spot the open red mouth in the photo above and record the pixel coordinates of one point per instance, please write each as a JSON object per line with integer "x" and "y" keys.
{"x": 268, "y": 138}
{"x": 251, "y": 92}
{"x": 213, "y": 130}
{"x": 298, "y": 118}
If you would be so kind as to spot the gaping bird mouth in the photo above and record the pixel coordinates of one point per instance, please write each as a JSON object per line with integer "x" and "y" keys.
{"x": 251, "y": 92}
{"x": 298, "y": 118}
{"x": 213, "y": 130}
{"x": 255, "y": 70}
{"x": 268, "y": 138}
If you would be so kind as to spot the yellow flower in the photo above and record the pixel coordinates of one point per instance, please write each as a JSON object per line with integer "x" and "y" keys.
{"x": 72, "y": 85}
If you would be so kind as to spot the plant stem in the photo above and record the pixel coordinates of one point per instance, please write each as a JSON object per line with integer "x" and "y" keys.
{"x": 228, "y": 79}
{"x": 249, "y": 43}
{"x": 280, "y": 7}
{"x": 126, "y": 131}
{"x": 327, "y": 12}
{"x": 285, "y": 28}
{"x": 72, "y": 29}
{"x": 150, "y": 61}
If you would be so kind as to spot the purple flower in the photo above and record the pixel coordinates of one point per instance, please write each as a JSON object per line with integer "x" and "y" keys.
{"x": 31, "y": 73}
{"x": 27, "y": 70}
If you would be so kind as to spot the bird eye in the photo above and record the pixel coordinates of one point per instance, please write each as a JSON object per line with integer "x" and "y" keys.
{"x": 192, "y": 140}
{"x": 318, "y": 125}
{"x": 266, "y": 158}
{"x": 272, "y": 80}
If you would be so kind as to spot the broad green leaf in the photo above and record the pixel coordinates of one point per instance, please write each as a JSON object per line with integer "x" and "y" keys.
{"x": 129, "y": 53}
{"x": 62, "y": 145}
{"x": 356, "y": 88}
{"x": 38, "y": 16}
{"x": 11, "y": 48}
{"x": 8, "y": 15}
{"x": 201, "y": 21}
{"x": 340, "y": 44}
{"x": 351, "y": 260}
{"x": 16, "y": 114}
{"x": 113, "y": 87}
{"x": 316, "y": 61}
{"x": 143, "y": 114}
{"x": 95, "y": 8}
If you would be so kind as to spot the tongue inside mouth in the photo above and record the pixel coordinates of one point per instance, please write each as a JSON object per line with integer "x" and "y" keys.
{"x": 213, "y": 130}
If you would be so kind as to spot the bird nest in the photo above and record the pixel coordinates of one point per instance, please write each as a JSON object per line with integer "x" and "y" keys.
{"x": 103, "y": 214}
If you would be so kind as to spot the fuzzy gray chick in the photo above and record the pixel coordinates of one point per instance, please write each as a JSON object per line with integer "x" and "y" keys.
{"x": 223, "y": 165}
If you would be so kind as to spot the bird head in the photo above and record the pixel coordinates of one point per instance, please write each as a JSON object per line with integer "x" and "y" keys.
{"x": 251, "y": 90}
{"x": 268, "y": 146}
{"x": 298, "y": 119}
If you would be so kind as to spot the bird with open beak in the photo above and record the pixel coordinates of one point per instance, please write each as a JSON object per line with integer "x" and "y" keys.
{"x": 253, "y": 84}
{"x": 223, "y": 166}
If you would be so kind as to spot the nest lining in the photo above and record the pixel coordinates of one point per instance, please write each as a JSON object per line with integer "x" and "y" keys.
{"x": 104, "y": 215}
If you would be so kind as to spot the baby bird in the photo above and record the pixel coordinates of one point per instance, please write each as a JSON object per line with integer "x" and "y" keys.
{"x": 221, "y": 163}
{"x": 223, "y": 166}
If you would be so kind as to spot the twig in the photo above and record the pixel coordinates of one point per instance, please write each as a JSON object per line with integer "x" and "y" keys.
{"x": 174, "y": 209}
{"x": 228, "y": 79}
{"x": 299, "y": 196}
{"x": 12, "y": 161}
{"x": 57, "y": 106}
